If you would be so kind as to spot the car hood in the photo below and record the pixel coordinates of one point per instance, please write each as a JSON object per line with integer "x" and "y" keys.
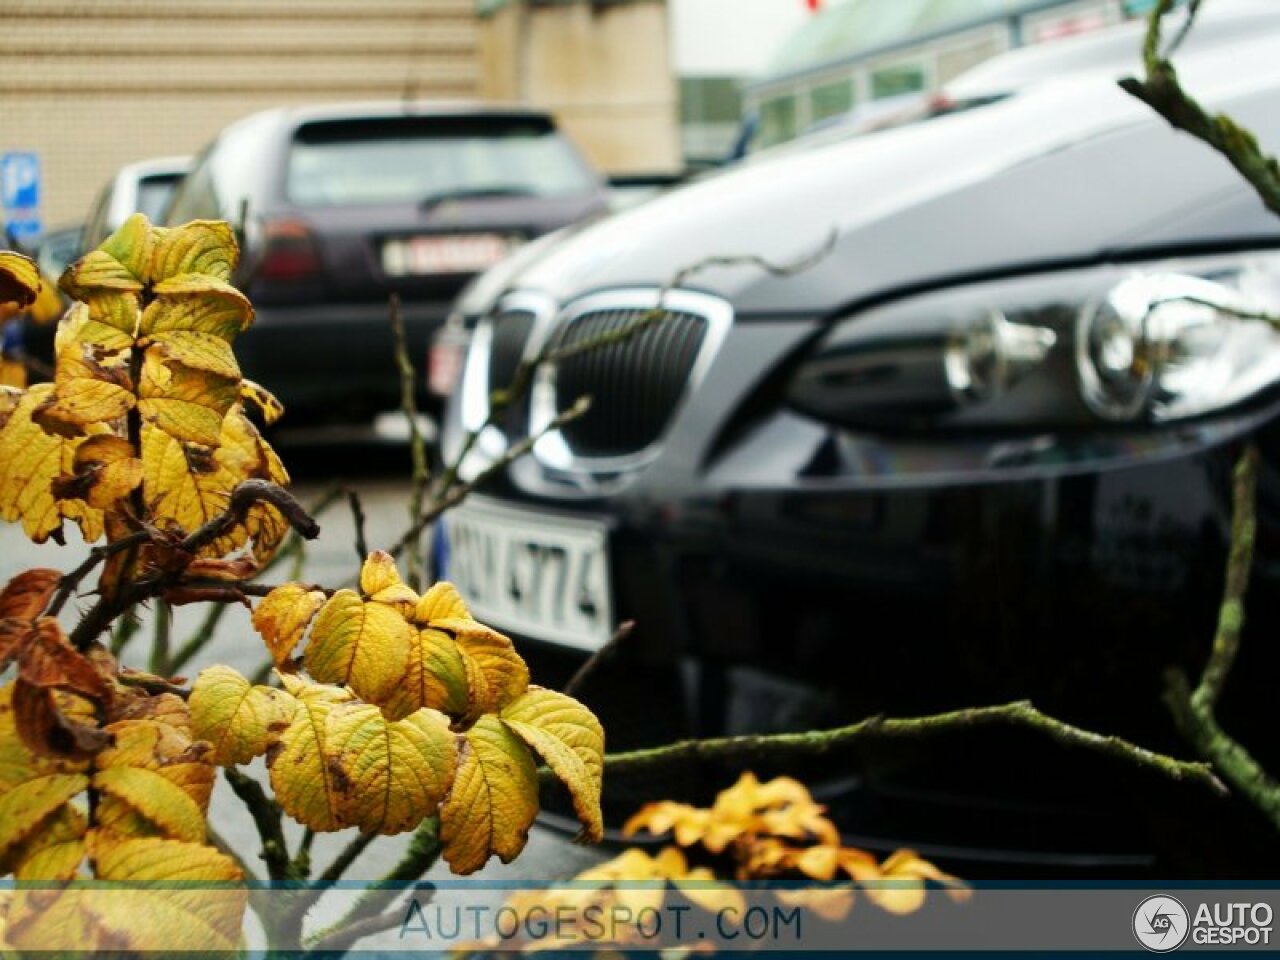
{"x": 1068, "y": 172}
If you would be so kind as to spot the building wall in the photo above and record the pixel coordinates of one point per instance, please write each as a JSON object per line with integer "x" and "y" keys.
{"x": 95, "y": 84}
{"x": 604, "y": 71}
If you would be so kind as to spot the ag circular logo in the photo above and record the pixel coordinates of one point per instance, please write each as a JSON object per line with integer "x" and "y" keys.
{"x": 1161, "y": 923}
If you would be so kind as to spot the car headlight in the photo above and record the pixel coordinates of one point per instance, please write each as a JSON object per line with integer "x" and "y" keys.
{"x": 1151, "y": 343}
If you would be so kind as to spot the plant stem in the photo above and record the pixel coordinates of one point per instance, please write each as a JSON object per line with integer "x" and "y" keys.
{"x": 421, "y": 477}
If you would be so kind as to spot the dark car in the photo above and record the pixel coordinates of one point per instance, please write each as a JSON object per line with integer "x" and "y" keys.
{"x": 343, "y": 206}
{"x": 978, "y": 452}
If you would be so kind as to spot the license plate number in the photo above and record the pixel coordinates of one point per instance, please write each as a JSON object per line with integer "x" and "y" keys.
{"x": 540, "y": 575}
{"x": 427, "y": 255}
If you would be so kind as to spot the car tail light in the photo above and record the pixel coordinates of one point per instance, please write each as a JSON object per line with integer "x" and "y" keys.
{"x": 289, "y": 252}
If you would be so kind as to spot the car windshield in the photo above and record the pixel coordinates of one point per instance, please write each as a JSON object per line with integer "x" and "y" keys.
{"x": 427, "y": 160}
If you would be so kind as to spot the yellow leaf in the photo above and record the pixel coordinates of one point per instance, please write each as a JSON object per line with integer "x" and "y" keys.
{"x": 91, "y": 386}
{"x": 197, "y": 304}
{"x": 104, "y": 470}
{"x": 283, "y": 616}
{"x": 26, "y": 805}
{"x": 830, "y": 903}
{"x": 380, "y": 582}
{"x": 98, "y": 272}
{"x": 435, "y": 677}
{"x": 197, "y": 350}
{"x": 364, "y": 645}
{"x": 133, "y": 246}
{"x": 298, "y": 762}
{"x": 30, "y": 461}
{"x": 173, "y": 897}
{"x": 504, "y": 676}
{"x": 239, "y": 719}
{"x": 140, "y": 744}
{"x": 154, "y": 798}
{"x": 388, "y": 776}
{"x": 263, "y": 399}
{"x": 493, "y": 800}
{"x": 187, "y": 403}
{"x": 570, "y": 740}
{"x": 13, "y": 373}
{"x": 18, "y": 763}
{"x": 441, "y": 602}
{"x": 19, "y": 279}
{"x": 187, "y": 484}
{"x": 54, "y": 851}
{"x": 203, "y": 247}
{"x": 689, "y": 823}
{"x": 106, "y": 320}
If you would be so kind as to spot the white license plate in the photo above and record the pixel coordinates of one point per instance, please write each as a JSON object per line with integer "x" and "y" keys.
{"x": 468, "y": 253}
{"x": 541, "y": 575}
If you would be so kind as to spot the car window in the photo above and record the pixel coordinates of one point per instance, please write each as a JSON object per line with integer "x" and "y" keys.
{"x": 416, "y": 159}
{"x": 194, "y": 197}
{"x": 154, "y": 193}
{"x": 95, "y": 225}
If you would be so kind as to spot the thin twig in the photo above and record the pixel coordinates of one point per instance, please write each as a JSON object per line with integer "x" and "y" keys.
{"x": 773, "y": 748}
{"x": 161, "y": 627}
{"x": 460, "y": 492}
{"x": 69, "y": 582}
{"x": 1194, "y": 711}
{"x": 266, "y": 818}
{"x": 602, "y": 656}
{"x": 1161, "y": 91}
{"x": 152, "y": 685}
{"x": 198, "y": 640}
{"x": 421, "y": 476}
{"x": 127, "y": 628}
{"x": 357, "y": 519}
{"x": 424, "y": 850}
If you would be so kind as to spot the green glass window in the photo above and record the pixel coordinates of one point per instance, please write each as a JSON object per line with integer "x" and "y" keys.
{"x": 777, "y": 120}
{"x": 896, "y": 80}
{"x": 830, "y": 99}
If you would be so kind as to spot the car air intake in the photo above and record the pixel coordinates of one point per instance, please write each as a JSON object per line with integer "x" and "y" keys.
{"x": 511, "y": 331}
{"x": 634, "y": 385}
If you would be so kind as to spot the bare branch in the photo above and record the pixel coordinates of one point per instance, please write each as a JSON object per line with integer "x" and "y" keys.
{"x": 357, "y": 519}
{"x": 783, "y": 746}
{"x": 266, "y": 818}
{"x": 421, "y": 476}
{"x": 1161, "y": 91}
{"x": 599, "y": 658}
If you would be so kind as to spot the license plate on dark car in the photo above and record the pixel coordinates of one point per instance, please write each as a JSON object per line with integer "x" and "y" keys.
{"x": 540, "y": 575}
{"x": 422, "y": 256}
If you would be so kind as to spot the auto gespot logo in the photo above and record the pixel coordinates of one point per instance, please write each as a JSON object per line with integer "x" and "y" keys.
{"x": 1161, "y": 924}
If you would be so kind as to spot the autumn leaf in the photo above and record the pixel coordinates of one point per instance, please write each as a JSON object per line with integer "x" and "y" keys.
{"x": 436, "y": 676}
{"x": 261, "y": 399}
{"x": 283, "y": 616}
{"x": 497, "y": 674}
{"x": 238, "y": 718}
{"x": 200, "y": 305}
{"x": 570, "y": 740}
{"x": 380, "y": 582}
{"x": 161, "y": 744}
{"x": 364, "y": 645}
{"x": 24, "y": 807}
{"x": 104, "y": 469}
{"x": 493, "y": 799}
{"x": 388, "y": 776}
{"x": 18, "y": 763}
{"x": 30, "y": 461}
{"x": 19, "y": 279}
{"x": 26, "y": 595}
{"x": 299, "y": 760}
{"x": 156, "y": 799}
{"x": 54, "y": 851}
{"x": 187, "y": 485}
{"x": 186, "y": 402}
{"x": 206, "y": 248}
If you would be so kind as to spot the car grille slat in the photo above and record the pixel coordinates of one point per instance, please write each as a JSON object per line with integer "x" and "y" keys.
{"x": 635, "y": 385}
{"x": 511, "y": 331}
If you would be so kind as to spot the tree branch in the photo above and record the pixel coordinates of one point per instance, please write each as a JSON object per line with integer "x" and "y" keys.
{"x": 1161, "y": 91}
{"x": 783, "y": 746}
{"x": 421, "y": 477}
{"x": 266, "y": 818}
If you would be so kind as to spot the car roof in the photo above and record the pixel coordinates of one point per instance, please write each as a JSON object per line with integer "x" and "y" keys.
{"x": 387, "y": 109}
{"x": 1116, "y": 48}
{"x": 155, "y": 166}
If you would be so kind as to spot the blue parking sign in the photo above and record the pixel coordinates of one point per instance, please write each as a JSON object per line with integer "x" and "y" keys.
{"x": 20, "y": 181}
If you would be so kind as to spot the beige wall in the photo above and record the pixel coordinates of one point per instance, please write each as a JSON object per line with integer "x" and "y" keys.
{"x": 95, "y": 84}
{"x": 605, "y": 72}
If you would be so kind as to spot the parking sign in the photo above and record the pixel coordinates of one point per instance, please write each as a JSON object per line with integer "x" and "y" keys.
{"x": 20, "y": 194}
{"x": 20, "y": 181}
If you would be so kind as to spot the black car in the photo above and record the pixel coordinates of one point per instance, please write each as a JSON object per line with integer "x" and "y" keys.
{"x": 979, "y": 452}
{"x": 343, "y": 206}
